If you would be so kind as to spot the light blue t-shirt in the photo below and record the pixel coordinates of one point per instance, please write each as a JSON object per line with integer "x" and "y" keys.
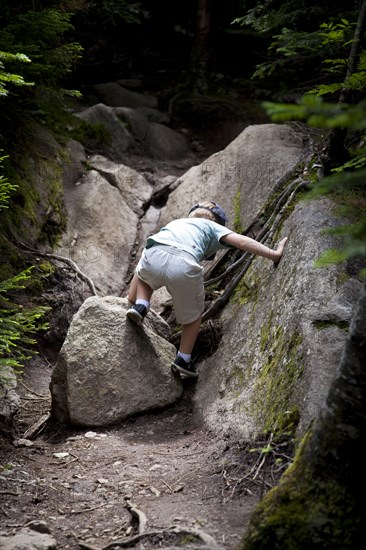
{"x": 198, "y": 236}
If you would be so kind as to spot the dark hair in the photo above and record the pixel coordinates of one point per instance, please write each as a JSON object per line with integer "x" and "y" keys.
{"x": 216, "y": 210}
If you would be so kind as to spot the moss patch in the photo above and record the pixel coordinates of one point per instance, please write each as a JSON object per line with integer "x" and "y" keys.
{"x": 304, "y": 511}
{"x": 274, "y": 387}
{"x": 36, "y": 211}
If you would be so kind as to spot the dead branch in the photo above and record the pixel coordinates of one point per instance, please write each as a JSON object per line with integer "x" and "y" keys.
{"x": 37, "y": 426}
{"x": 32, "y": 391}
{"x": 66, "y": 261}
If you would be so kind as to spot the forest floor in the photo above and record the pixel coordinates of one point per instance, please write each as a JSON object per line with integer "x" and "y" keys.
{"x": 158, "y": 474}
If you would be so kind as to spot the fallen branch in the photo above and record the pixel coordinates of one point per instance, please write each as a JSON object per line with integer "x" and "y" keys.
{"x": 37, "y": 426}
{"x": 66, "y": 261}
{"x": 32, "y": 391}
{"x": 72, "y": 512}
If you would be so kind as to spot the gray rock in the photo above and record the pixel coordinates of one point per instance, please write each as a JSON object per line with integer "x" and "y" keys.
{"x": 101, "y": 228}
{"x": 136, "y": 122}
{"x": 242, "y": 176}
{"x": 281, "y": 347}
{"x": 75, "y": 167}
{"x": 163, "y": 142}
{"x": 109, "y": 369}
{"x": 153, "y": 115}
{"x": 119, "y": 137}
{"x": 115, "y": 95}
{"x": 134, "y": 188}
{"x": 29, "y": 538}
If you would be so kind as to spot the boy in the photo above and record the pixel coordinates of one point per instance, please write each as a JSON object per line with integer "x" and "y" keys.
{"x": 171, "y": 259}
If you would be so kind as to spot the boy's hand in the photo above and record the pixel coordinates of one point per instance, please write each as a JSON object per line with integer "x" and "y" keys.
{"x": 279, "y": 250}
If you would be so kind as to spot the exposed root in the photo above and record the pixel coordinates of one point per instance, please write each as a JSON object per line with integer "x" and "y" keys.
{"x": 208, "y": 541}
{"x": 141, "y": 518}
{"x": 66, "y": 261}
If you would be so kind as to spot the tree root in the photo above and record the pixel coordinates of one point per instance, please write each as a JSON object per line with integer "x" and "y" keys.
{"x": 141, "y": 518}
{"x": 66, "y": 261}
{"x": 265, "y": 233}
{"x": 208, "y": 541}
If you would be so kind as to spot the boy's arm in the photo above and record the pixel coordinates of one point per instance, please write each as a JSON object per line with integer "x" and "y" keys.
{"x": 254, "y": 247}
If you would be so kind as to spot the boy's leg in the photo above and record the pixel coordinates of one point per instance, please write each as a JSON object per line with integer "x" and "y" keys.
{"x": 189, "y": 336}
{"x": 139, "y": 290}
{"x": 132, "y": 291}
{"x": 182, "y": 363}
{"x": 140, "y": 294}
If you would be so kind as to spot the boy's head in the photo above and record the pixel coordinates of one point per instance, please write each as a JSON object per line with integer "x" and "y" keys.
{"x": 209, "y": 210}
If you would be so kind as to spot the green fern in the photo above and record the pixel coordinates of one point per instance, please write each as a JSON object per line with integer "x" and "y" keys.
{"x": 18, "y": 324}
{"x": 7, "y": 78}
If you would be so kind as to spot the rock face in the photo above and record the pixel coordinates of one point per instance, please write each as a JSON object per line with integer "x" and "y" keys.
{"x": 34, "y": 536}
{"x": 283, "y": 334}
{"x": 100, "y": 232}
{"x": 109, "y": 369}
{"x": 242, "y": 176}
{"x": 283, "y": 330}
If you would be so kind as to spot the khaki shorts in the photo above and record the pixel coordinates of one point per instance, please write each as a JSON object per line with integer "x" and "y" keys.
{"x": 182, "y": 276}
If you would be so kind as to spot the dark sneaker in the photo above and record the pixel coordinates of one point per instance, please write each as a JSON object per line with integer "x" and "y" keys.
{"x": 137, "y": 314}
{"x": 181, "y": 366}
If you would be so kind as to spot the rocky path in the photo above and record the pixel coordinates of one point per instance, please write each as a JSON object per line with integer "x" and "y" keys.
{"x": 156, "y": 481}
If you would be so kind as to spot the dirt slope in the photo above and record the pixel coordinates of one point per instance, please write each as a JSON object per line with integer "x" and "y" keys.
{"x": 172, "y": 471}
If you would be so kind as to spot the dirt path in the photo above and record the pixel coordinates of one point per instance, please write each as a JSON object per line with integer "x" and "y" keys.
{"x": 82, "y": 483}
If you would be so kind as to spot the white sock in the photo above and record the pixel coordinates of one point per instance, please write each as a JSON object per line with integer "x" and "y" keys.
{"x": 143, "y": 303}
{"x": 185, "y": 356}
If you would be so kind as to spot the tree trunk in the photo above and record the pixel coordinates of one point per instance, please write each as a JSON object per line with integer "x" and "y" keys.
{"x": 201, "y": 53}
{"x": 319, "y": 503}
{"x": 336, "y": 138}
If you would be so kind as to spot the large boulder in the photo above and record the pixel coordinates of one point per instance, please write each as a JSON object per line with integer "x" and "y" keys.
{"x": 133, "y": 187}
{"x": 163, "y": 142}
{"x": 118, "y": 139}
{"x": 115, "y": 95}
{"x": 242, "y": 176}
{"x": 109, "y": 369}
{"x": 101, "y": 228}
{"x": 283, "y": 335}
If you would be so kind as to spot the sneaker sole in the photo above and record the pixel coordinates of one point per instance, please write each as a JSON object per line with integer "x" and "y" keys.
{"x": 135, "y": 317}
{"x": 185, "y": 372}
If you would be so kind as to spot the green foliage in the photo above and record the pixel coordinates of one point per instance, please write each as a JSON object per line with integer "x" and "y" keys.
{"x": 301, "y": 37}
{"x": 337, "y": 32}
{"x": 18, "y": 324}
{"x": 290, "y": 43}
{"x": 346, "y": 183}
{"x": 318, "y": 113}
{"x": 331, "y": 41}
{"x": 5, "y": 187}
{"x": 47, "y": 57}
{"x": 270, "y": 15}
{"x": 11, "y": 78}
